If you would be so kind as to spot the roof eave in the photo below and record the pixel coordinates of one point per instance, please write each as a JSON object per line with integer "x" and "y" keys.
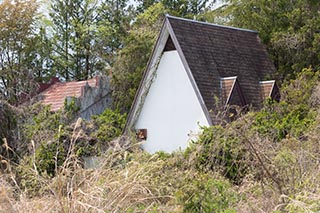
{"x": 132, "y": 111}
{"x": 211, "y": 24}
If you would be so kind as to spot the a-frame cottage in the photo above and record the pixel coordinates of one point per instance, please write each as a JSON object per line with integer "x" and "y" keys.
{"x": 194, "y": 65}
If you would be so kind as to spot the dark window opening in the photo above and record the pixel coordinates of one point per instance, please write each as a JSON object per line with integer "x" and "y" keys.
{"x": 169, "y": 45}
{"x": 141, "y": 134}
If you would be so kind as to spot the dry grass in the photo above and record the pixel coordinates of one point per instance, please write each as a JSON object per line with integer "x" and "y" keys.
{"x": 100, "y": 190}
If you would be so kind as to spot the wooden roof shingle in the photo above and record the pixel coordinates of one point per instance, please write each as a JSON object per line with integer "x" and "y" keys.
{"x": 213, "y": 52}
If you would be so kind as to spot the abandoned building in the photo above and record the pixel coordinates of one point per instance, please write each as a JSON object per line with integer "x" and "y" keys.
{"x": 194, "y": 68}
{"x": 89, "y": 97}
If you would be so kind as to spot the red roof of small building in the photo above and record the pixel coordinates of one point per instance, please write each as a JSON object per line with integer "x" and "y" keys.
{"x": 56, "y": 93}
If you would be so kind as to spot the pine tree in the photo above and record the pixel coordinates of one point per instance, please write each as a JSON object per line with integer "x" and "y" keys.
{"x": 113, "y": 26}
{"x": 62, "y": 28}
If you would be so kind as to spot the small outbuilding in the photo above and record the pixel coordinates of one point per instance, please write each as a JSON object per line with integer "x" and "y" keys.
{"x": 195, "y": 69}
{"x": 88, "y": 97}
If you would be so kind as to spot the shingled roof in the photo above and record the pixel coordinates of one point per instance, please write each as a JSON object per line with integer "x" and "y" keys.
{"x": 211, "y": 53}
{"x": 214, "y": 52}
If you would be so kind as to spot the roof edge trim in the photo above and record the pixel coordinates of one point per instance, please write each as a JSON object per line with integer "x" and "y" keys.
{"x": 211, "y": 24}
{"x": 153, "y": 57}
{"x": 229, "y": 78}
{"x": 273, "y": 82}
{"x": 267, "y": 82}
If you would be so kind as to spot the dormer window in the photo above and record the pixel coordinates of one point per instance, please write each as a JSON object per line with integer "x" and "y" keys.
{"x": 231, "y": 92}
{"x": 269, "y": 89}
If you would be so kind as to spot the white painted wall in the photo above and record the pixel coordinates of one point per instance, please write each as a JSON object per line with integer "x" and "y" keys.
{"x": 171, "y": 110}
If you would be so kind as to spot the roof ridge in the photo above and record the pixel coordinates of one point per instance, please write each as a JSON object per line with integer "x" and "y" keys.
{"x": 210, "y": 24}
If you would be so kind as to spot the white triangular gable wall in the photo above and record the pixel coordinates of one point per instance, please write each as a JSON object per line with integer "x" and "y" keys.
{"x": 171, "y": 111}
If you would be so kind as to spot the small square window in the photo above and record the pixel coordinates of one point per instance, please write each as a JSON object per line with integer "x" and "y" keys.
{"x": 141, "y": 134}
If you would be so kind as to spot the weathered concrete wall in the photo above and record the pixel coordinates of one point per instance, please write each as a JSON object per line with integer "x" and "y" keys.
{"x": 95, "y": 100}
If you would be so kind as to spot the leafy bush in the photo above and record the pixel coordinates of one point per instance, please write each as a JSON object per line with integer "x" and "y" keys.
{"x": 49, "y": 157}
{"x": 278, "y": 120}
{"x": 71, "y": 106}
{"x": 221, "y": 149}
{"x": 42, "y": 132}
{"x": 110, "y": 125}
{"x": 41, "y": 124}
{"x": 294, "y": 114}
{"x": 207, "y": 194}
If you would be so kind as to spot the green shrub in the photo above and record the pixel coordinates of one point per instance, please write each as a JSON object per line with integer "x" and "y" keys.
{"x": 41, "y": 123}
{"x": 71, "y": 107}
{"x": 110, "y": 125}
{"x": 49, "y": 157}
{"x": 221, "y": 149}
{"x": 207, "y": 194}
{"x": 293, "y": 115}
{"x": 278, "y": 120}
{"x": 42, "y": 134}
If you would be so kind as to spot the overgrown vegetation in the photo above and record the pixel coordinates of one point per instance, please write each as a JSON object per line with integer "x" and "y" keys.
{"x": 266, "y": 160}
